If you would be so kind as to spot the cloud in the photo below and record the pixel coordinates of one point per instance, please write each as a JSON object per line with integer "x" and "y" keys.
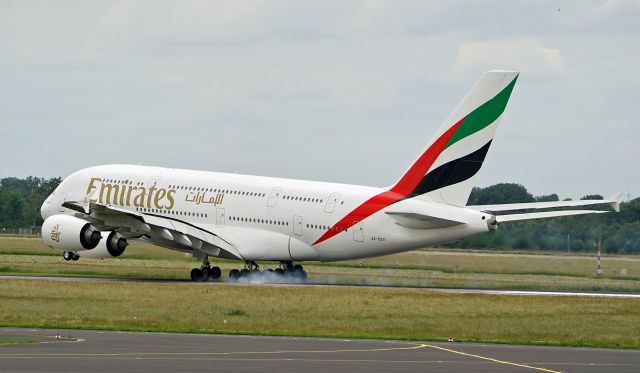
{"x": 318, "y": 90}
{"x": 520, "y": 55}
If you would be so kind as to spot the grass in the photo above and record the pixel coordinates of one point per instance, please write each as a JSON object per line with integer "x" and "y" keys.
{"x": 346, "y": 312}
{"x": 16, "y": 341}
{"x": 394, "y": 313}
{"x": 425, "y": 268}
{"x": 507, "y": 263}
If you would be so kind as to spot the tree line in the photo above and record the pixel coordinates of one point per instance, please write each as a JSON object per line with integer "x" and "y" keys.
{"x": 20, "y": 201}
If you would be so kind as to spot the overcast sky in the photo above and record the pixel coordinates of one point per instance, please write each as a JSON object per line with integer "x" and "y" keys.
{"x": 342, "y": 91}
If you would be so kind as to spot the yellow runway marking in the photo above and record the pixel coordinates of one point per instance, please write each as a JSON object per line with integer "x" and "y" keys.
{"x": 504, "y": 362}
{"x": 218, "y": 353}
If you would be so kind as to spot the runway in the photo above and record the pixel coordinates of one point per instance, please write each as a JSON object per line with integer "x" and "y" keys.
{"x": 314, "y": 283}
{"x": 96, "y": 351}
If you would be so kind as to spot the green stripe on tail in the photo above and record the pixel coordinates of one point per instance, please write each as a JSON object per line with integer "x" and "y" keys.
{"x": 484, "y": 115}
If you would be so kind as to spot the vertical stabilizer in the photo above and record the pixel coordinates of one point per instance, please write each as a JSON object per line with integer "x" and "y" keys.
{"x": 446, "y": 170}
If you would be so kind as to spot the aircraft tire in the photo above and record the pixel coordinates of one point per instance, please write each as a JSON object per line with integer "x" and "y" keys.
{"x": 206, "y": 273}
{"x": 300, "y": 273}
{"x": 196, "y": 274}
{"x": 215, "y": 273}
{"x": 234, "y": 275}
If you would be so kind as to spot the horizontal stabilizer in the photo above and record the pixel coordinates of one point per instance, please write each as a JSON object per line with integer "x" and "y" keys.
{"x": 545, "y": 214}
{"x": 614, "y": 202}
{"x": 416, "y": 220}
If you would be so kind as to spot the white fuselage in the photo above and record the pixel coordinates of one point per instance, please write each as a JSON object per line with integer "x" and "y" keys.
{"x": 263, "y": 218}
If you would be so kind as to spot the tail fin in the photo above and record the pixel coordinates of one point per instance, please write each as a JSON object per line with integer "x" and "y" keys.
{"x": 445, "y": 171}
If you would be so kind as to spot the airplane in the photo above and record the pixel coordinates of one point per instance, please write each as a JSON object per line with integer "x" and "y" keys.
{"x": 96, "y": 211}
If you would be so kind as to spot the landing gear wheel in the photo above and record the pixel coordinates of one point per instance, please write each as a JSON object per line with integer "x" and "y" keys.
{"x": 196, "y": 274}
{"x": 68, "y": 255}
{"x": 300, "y": 274}
{"x": 244, "y": 272}
{"x": 215, "y": 273}
{"x": 206, "y": 273}
{"x": 234, "y": 275}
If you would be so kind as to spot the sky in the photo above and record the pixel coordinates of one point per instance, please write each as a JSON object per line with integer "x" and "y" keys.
{"x": 340, "y": 91}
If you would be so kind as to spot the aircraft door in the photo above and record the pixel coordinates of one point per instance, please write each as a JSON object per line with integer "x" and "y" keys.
{"x": 331, "y": 202}
{"x": 273, "y": 197}
{"x": 358, "y": 232}
{"x": 220, "y": 216}
{"x": 297, "y": 225}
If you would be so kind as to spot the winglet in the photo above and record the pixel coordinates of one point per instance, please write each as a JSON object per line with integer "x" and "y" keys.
{"x": 615, "y": 201}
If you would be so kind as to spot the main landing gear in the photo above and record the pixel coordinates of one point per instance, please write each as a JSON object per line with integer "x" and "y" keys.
{"x": 206, "y": 272}
{"x": 286, "y": 272}
{"x": 68, "y": 255}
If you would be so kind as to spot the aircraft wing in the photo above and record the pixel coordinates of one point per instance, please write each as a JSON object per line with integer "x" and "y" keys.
{"x": 613, "y": 201}
{"x": 159, "y": 230}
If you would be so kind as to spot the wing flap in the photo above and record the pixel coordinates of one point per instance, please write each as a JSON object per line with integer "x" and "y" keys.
{"x": 163, "y": 231}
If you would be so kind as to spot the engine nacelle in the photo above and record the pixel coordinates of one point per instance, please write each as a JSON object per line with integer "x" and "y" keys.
{"x": 111, "y": 246}
{"x": 68, "y": 233}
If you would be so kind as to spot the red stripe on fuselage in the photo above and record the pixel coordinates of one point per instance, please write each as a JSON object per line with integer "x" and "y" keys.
{"x": 403, "y": 187}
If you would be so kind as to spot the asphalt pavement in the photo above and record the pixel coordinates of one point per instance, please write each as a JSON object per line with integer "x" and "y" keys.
{"x": 102, "y": 351}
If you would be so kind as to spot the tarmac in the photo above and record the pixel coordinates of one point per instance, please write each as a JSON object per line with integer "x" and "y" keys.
{"x": 105, "y": 351}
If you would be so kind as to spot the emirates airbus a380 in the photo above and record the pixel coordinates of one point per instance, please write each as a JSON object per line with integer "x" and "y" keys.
{"x": 97, "y": 210}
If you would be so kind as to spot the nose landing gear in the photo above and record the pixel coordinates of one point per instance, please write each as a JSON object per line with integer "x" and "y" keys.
{"x": 69, "y": 255}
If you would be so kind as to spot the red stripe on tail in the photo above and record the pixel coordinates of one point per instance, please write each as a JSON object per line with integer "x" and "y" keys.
{"x": 403, "y": 187}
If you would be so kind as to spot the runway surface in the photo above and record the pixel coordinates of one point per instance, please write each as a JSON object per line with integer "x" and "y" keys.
{"x": 96, "y": 351}
{"x": 312, "y": 283}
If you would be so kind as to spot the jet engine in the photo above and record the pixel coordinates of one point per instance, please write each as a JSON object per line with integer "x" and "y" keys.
{"x": 68, "y": 233}
{"x": 111, "y": 246}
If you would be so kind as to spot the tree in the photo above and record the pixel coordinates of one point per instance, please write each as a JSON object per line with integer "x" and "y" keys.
{"x": 500, "y": 193}
{"x": 11, "y": 204}
{"x": 592, "y": 196}
{"x": 548, "y": 198}
{"x": 20, "y": 200}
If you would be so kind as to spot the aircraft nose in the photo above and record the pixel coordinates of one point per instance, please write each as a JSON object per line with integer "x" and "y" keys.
{"x": 45, "y": 208}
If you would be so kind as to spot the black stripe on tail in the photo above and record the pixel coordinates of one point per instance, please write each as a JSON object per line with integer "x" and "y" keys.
{"x": 453, "y": 172}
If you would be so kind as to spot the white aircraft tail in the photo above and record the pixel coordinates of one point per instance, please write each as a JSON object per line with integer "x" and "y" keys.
{"x": 446, "y": 170}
